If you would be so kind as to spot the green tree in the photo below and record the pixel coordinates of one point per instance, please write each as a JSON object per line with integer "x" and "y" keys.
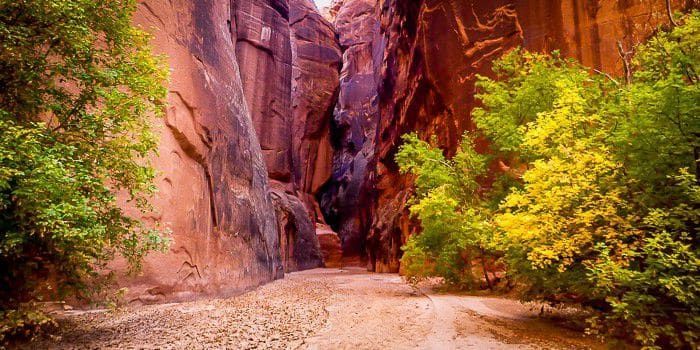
{"x": 454, "y": 209}
{"x": 604, "y": 215}
{"x": 79, "y": 87}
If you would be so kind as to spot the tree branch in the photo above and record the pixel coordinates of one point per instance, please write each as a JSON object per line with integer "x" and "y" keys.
{"x": 625, "y": 55}
{"x": 669, "y": 13}
{"x": 607, "y": 76}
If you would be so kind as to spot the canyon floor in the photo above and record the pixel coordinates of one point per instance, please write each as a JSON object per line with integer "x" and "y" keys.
{"x": 322, "y": 309}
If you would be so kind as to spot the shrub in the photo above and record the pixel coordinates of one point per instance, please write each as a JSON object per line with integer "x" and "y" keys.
{"x": 599, "y": 187}
{"x": 79, "y": 87}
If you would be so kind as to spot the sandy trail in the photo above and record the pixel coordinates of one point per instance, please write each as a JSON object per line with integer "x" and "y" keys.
{"x": 322, "y": 309}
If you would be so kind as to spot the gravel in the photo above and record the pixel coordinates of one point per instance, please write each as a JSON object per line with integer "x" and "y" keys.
{"x": 268, "y": 318}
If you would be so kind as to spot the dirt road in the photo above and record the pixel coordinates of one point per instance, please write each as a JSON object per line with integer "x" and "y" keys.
{"x": 322, "y": 309}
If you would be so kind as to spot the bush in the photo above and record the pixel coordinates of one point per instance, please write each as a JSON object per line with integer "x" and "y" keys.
{"x": 599, "y": 187}
{"x": 453, "y": 208}
{"x": 24, "y": 325}
{"x": 79, "y": 88}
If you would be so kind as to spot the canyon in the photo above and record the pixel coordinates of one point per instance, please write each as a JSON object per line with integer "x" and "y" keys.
{"x": 277, "y": 148}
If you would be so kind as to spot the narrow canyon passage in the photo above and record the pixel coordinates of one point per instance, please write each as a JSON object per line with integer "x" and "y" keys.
{"x": 322, "y": 309}
{"x": 287, "y": 213}
{"x": 278, "y": 146}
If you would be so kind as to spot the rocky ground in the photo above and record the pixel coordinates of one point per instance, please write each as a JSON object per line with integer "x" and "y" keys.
{"x": 322, "y": 309}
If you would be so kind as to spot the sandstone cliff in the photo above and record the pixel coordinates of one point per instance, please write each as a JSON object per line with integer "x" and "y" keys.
{"x": 245, "y": 144}
{"x": 280, "y": 121}
{"x": 316, "y": 58}
{"x": 289, "y": 61}
{"x": 354, "y": 121}
{"x": 213, "y": 188}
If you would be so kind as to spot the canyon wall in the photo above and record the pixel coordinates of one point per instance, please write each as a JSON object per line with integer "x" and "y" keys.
{"x": 264, "y": 52}
{"x": 424, "y": 79}
{"x": 213, "y": 188}
{"x": 316, "y": 58}
{"x": 289, "y": 60}
{"x": 244, "y": 144}
{"x": 354, "y": 121}
{"x": 280, "y": 121}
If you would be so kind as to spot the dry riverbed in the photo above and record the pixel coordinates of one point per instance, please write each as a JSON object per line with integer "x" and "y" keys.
{"x": 322, "y": 309}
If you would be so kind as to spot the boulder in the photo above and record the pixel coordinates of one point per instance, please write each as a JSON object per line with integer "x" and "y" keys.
{"x": 330, "y": 246}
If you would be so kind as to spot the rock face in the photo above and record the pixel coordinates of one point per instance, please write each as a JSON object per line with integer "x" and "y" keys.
{"x": 214, "y": 188}
{"x": 316, "y": 61}
{"x": 289, "y": 62}
{"x": 330, "y": 246}
{"x": 242, "y": 156}
{"x": 434, "y": 51}
{"x": 261, "y": 125}
{"x": 424, "y": 82}
{"x": 354, "y": 121}
{"x": 300, "y": 249}
{"x": 264, "y": 54}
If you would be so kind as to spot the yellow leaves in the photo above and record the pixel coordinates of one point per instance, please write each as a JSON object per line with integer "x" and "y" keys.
{"x": 569, "y": 202}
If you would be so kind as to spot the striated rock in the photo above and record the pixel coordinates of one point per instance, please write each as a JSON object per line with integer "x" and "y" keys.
{"x": 261, "y": 125}
{"x": 213, "y": 188}
{"x": 330, "y": 246}
{"x": 331, "y": 11}
{"x": 289, "y": 60}
{"x": 316, "y": 60}
{"x": 230, "y": 125}
{"x": 434, "y": 49}
{"x": 264, "y": 54}
{"x": 354, "y": 122}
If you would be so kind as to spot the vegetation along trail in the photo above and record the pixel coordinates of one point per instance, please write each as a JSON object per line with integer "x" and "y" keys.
{"x": 323, "y": 309}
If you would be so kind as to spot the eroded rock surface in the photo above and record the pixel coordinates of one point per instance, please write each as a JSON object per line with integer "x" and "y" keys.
{"x": 289, "y": 61}
{"x": 354, "y": 121}
{"x": 242, "y": 156}
{"x": 330, "y": 246}
{"x": 261, "y": 125}
{"x": 316, "y": 58}
{"x": 213, "y": 188}
{"x": 299, "y": 244}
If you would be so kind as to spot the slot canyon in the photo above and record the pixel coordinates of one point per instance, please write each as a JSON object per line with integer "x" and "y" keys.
{"x": 277, "y": 150}
{"x": 277, "y": 154}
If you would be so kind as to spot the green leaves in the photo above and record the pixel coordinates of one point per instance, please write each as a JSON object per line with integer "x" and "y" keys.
{"x": 452, "y": 207}
{"x": 79, "y": 91}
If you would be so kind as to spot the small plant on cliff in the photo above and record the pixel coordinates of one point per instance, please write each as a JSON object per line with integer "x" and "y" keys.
{"x": 79, "y": 86}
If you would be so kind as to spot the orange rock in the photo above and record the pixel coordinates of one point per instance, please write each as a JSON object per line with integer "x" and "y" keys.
{"x": 330, "y": 246}
{"x": 213, "y": 188}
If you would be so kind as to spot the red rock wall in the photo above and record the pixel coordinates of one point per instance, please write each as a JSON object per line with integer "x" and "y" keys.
{"x": 316, "y": 58}
{"x": 264, "y": 54}
{"x": 354, "y": 121}
{"x": 289, "y": 61}
{"x": 434, "y": 50}
{"x": 213, "y": 185}
{"x": 253, "y": 137}
{"x": 316, "y": 62}
{"x": 241, "y": 156}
